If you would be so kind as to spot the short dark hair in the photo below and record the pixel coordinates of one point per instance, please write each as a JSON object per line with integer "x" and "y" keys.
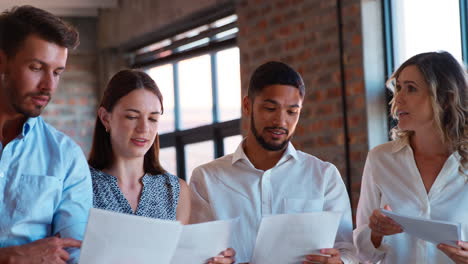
{"x": 121, "y": 84}
{"x": 20, "y": 22}
{"x": 274, "y": 72}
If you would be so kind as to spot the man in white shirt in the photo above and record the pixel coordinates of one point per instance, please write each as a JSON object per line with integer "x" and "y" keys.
{"x": 267, "y": 175}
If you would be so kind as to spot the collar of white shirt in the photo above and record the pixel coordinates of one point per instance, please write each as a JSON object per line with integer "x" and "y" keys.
{"x": 402, "y": 143}
{"x": 289, "y": 153}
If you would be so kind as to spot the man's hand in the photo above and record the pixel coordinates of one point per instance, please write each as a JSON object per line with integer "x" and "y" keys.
{"x": 459, "y": 255}
{"x": 225, "y": 257}
{"x": 49, "y": 250}
{"x": 333, "y": 258}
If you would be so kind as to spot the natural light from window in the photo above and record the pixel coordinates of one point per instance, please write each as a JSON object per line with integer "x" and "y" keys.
{"x": 426, "y": 25}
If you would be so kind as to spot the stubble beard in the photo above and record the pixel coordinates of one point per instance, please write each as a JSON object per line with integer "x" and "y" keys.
{"x": 16, "y": 102}
{"x": 263, "y": 142}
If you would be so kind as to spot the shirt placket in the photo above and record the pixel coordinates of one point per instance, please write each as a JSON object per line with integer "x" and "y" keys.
{"x": 266, "y": 193}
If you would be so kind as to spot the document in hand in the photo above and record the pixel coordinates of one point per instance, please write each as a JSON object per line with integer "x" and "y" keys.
{"x": 200, "y": 242}
{"x": 429, "y": 230}
{"x": 115, "y": 238}
{"x": 288, "y": 238}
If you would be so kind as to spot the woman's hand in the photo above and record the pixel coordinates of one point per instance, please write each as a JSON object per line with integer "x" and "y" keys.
{"x": 225, "y": 257}
{"x": 459, "y": 255}
{"x": 381, "y": 226}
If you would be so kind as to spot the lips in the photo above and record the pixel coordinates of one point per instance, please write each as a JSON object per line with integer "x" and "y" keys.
{"x": 40, "y": 99}
{"x": 277, "y": 133}
{"x": 401, "y": 113}
{"x": 139, "y": 141}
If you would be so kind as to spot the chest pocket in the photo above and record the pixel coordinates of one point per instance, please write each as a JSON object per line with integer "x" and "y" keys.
{"x": 294, "y": 206}
{"x": 37, "y": 197}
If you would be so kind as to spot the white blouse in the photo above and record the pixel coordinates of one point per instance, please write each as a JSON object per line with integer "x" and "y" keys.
{"x": 391, "y": 177}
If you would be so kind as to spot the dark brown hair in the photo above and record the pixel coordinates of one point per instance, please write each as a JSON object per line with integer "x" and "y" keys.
{"x": 20, "y": 22}
{"x": 120, "y": 85}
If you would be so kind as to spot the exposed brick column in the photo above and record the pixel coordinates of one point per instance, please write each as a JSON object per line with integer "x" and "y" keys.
{"x": 305, "y": 34}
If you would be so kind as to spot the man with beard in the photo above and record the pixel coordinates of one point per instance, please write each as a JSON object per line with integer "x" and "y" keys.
{"x": 45, "y": 185}
{"x": 267, "y": 175}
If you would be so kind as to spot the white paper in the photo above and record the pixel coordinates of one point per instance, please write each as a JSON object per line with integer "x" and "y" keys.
{"x": 115, "y": 238}
{"x": 429, "y": 230}
{"x": 288, "y": 238}
{"x": 200, "y": 242}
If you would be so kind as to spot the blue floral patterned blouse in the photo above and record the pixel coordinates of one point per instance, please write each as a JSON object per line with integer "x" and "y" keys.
{"x": 158, "y": 199}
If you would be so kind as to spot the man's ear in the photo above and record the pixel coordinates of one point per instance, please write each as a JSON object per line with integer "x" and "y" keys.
{"x": 246, "y": 106}
{"x": 104, "y": 117}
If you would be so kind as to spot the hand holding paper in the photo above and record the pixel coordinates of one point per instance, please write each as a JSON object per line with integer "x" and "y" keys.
{"x": 330, "y": 256}
{"x": 115, "y": 238}
{"x": 383, "y": 225}
{"x": 287, "y": 239}
{"x": 458, "y": 254}
{"x": 429, "y": 230}
{"x": 200, "y": 242}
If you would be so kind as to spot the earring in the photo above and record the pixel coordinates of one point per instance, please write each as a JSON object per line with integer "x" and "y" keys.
{"x": 107, "y": 130}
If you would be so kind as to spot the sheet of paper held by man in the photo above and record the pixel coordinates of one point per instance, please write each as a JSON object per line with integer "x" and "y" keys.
{"x": 429, "y": 230}
{"x": 115, "y": 238}
{"x": 200, "y": 242}
{"x": 288, "y": 238}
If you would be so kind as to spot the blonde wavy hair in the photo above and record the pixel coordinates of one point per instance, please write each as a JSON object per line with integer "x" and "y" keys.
{"x": 448, "y": 88}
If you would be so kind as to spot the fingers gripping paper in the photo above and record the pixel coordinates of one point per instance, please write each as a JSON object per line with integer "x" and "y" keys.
{"x": 429, "y": 230}
{"x": 287, "y": 239}
{"x": 199, "y": 242}
{"x": 114, "y": 238}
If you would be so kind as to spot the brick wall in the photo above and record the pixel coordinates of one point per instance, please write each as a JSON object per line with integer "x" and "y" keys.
{"x": 305, "y": 34}
{"x": 302, "y": 33}
{"x": 73, "y": 108}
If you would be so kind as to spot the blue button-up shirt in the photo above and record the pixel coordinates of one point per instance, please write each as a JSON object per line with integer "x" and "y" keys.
{"x": 45, "y": 186}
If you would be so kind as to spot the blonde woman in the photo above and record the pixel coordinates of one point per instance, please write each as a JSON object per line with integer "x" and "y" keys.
{"x": 423, "y": 171}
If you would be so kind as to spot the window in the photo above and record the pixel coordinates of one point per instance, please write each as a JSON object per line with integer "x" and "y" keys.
{"x": 197, "y": 154}
{"x": 231, "y": 143}
{"x": 162, "y": 75}
{"x": 198, "y": 73}
{"x": 426, "y": 25}
{"x": 418, "y": 26}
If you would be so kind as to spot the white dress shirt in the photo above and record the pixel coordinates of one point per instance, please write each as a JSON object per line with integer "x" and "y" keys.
{"x": 391, "y": 177}
{"x": 231, "y": 187}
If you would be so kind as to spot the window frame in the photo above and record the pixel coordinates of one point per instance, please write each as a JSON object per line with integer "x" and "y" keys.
{"x": 216, "y": 131}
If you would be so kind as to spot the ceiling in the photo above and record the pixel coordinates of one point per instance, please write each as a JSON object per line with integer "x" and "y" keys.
{"x": 64, "y": 8}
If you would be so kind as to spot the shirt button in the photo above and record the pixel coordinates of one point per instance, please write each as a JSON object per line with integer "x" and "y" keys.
{"x": 2, "y": 174}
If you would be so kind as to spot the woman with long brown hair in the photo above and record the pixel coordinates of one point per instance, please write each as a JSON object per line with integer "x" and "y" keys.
{"x": 124, "y": 161}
